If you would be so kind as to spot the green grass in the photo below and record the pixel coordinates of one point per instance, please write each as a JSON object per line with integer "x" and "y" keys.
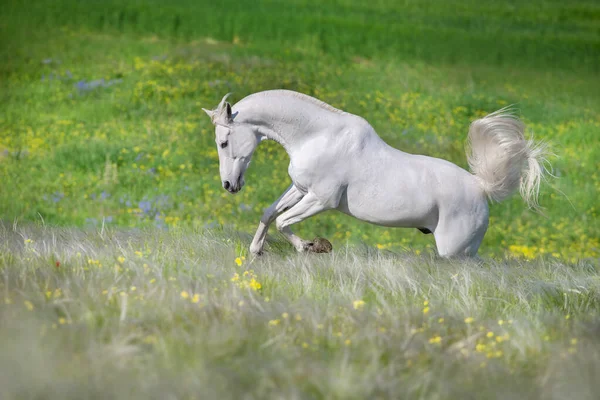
{"x": 141, "y": 152}
{"x": 538, "y": 33}
{"x": 139, "y": 314}
{"x": 142, "y": 302}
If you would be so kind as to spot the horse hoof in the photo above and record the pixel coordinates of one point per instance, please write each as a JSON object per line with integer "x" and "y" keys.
{"x": 320, "y": 245}
{"x": 256, "y": 253}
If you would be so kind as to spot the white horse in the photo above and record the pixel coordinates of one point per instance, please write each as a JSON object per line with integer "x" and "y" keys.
{"x": 337, "y": 161}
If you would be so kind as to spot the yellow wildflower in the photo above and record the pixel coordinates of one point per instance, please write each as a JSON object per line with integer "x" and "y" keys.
{"x": 274, "y": 322}
{"x": 254, "y": 284}
{"x": 502, "y": 338}
{"x": 185, "y": 294}
{"x": 436, "y": 339}
{"x": 238, "y": 261}
{"x": 469, "y": 320}
{"x": 358, "y": 304}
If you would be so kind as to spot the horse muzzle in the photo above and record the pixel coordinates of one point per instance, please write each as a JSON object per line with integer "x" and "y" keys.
{"x": 234, "y": 187}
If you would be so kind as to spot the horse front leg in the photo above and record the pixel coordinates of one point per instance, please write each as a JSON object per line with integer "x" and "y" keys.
{"x": 305, "y": 208}
{"x": 288, "y": 199}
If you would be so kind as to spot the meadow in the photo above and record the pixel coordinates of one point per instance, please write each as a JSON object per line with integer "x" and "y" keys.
{"x": 177, "y": 314}
{"x": 124, "y": 263}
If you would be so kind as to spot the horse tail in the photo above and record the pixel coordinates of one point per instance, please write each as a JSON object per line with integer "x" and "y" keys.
{"x": 503, "y": 160}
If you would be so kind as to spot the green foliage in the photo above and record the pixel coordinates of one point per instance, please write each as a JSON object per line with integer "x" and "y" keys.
{"x": 100, "y": 119}
{"x": 538, "y": 33}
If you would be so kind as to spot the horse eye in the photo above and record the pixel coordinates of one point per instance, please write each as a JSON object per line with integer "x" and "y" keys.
{"x": 223, "y": 145}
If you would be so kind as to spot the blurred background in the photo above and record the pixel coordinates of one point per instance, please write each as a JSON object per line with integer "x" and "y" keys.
{"x": 101, "y": 121}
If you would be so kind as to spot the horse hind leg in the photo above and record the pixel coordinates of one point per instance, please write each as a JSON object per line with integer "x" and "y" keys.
{"x": 459, "y": 241}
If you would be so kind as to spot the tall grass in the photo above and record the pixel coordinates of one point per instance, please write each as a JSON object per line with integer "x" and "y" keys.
{"x": 149, "y": 314}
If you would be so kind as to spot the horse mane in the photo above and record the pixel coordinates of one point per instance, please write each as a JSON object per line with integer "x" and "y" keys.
{"x": 298, "y": 95}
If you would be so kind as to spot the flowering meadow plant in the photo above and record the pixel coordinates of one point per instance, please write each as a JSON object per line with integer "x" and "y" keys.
{"x": 124, "y": 265}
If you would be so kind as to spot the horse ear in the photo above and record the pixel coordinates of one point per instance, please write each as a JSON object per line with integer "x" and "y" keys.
{"x": 210, "y": 113}
{"x": 228, "y": 115}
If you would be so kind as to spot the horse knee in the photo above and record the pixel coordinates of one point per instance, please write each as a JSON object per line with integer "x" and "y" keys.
{"x": 452, "y": 245}
{"x": 450, "y": 251}
{"x": 268, "y": 216}
{"x": 280, "y": 224}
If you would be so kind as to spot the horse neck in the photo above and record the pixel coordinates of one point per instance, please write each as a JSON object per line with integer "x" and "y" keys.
{"x": 283, "y": 120}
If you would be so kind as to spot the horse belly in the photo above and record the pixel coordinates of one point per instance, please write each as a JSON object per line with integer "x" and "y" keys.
{"x": 391, "y": 208}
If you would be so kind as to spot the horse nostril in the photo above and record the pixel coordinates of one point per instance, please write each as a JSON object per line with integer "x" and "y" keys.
{"x": 226, "y": 185}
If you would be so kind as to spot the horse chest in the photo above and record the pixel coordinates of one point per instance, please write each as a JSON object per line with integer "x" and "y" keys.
{"x": 316, "y": 175}
{"x": 301, "y": 176}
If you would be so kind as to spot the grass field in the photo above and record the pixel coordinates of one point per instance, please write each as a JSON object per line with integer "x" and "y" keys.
{"x": 153, "y": 314}
{"x": 102, "y": 137}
